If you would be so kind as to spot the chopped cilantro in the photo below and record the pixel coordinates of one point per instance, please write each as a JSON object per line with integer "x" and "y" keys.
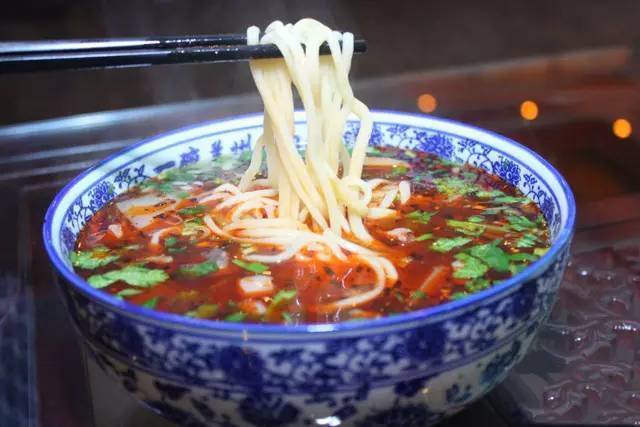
{"x": 287, "y": 317}
{"x": 151, "y": 302}
{"x": 192, "y": 210}
{"x": 161, "y": 186}
{"x": 516, "y": 268}
{"x": 129, "y": 292}
{"x": 198, "y": 270}
{"x": 452, "y": 186}
{"x": 176, "y": 250}
{"x": 522, "y": 257}
{"x": 177, "y": 175}
{"x": 423, "y": 237}
{"x": 472, "y": 267}
{"x": 458, "y": 295}
{"x": 420, "y": 216}
{"x": 238, "y": 316}
{"x": 489, "y": 194}
{"x": 203, "y": 311}
{"x": 399, "y": 170}
{"x": 254, "y": 267}
{"x": 510, "y": 199}
{"x": 540, "y": 251}
{"x": 468, "y": 228}
{"x": 94, "y": 258}
{"x": 170, "y": 241}
{"x": 445, "y": 244}
{"x": 418, "y": 294}
{"x": 134, "y": 275}
{"x": 477, "y": 285}
{"x": 520, "y": 223}
{"x": 373, "y": 150}
{"x": 526, "y": 241}
{"x": 191, "y": 228}
{"x": 476, "y": 218}
{"x": 491, "y": 255}
{"x": 399, "y": 296}
{"x": 182, "y": 194}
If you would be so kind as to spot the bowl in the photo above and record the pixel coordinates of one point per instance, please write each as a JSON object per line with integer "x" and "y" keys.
{"x": 405, "y": 370}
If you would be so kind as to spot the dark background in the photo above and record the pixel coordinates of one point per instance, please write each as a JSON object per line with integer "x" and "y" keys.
{"x": 403, "y": 36}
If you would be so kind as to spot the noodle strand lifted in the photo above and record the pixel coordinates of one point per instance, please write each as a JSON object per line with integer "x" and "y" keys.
{"x": 321, "y": 197}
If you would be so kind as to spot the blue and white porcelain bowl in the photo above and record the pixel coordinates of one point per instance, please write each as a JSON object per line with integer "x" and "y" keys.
{"x": 406, "y": 370}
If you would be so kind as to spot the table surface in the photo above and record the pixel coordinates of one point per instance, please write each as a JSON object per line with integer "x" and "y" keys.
{"x": 582, "y": 367}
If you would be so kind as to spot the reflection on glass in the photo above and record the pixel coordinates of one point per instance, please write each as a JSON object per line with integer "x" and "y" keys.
{"x": 427, "y": 103}
{"x": 622, "y": 128}
{"x": 529, "y": 110}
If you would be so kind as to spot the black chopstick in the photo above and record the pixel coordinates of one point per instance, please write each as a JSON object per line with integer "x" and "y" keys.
{"x": 84, "y": 45}
{"x": 107, "y": 53}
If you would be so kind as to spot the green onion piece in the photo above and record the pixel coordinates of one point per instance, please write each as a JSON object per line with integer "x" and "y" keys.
{"x": 254, "y": 267}
{"x": 129, "y": 292}
{"x": 238, "y": 316}
{"x": 423, "y": 237}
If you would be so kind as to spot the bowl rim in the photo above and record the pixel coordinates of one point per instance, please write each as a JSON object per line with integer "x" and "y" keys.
{"x": 533, "y": 270}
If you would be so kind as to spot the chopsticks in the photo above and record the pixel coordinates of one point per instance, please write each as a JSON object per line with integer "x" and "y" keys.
{"x": 135, "y": 52}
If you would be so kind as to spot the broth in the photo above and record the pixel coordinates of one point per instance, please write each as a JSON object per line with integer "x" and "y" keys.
{"x": 461, "y": 231}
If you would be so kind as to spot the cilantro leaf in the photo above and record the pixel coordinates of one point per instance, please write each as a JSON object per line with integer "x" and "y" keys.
{"x": 476, "y": 218}
{"x": 134, "y": 275}
{"x": 520, "y": 223}
{"x": 420, "y": 216}
{"x": 491, "y": 255}
{"x": 471, "y": 268}
{"x": 287, "y": 317}
{"x": 198, "y": 270}
{"x": 477, "y": 285}
{"x": 151, "y": 302}
{"x": 94, "y": 258}
{"x": 254, "y": 267}
{"x": 445, "y": 244}
{"x": 468, "y": 228}
{"x": 192, "y": 210}
{"x": 458, "y": 295}
{"x": 526, "y": 241}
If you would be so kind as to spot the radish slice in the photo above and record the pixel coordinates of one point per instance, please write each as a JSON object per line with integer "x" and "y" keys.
{"x": 255, "y": 286}
{"x": 116, "y": 230}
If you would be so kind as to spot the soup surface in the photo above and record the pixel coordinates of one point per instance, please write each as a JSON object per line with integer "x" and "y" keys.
{"x": 461, "y": 231}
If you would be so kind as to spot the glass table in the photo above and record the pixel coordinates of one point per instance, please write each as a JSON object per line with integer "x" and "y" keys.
{"x": 576, "y": 109}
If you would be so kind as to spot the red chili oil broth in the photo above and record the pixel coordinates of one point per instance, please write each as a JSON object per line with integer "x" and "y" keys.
{"x": 446, "y": 201}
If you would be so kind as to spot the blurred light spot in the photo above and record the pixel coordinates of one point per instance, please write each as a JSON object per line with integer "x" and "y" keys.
{"x": 331, "y": 421}
{"x": 427, "y": 103}
{"x": 529, "y": 110}
{"x": 622, "y": 128}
